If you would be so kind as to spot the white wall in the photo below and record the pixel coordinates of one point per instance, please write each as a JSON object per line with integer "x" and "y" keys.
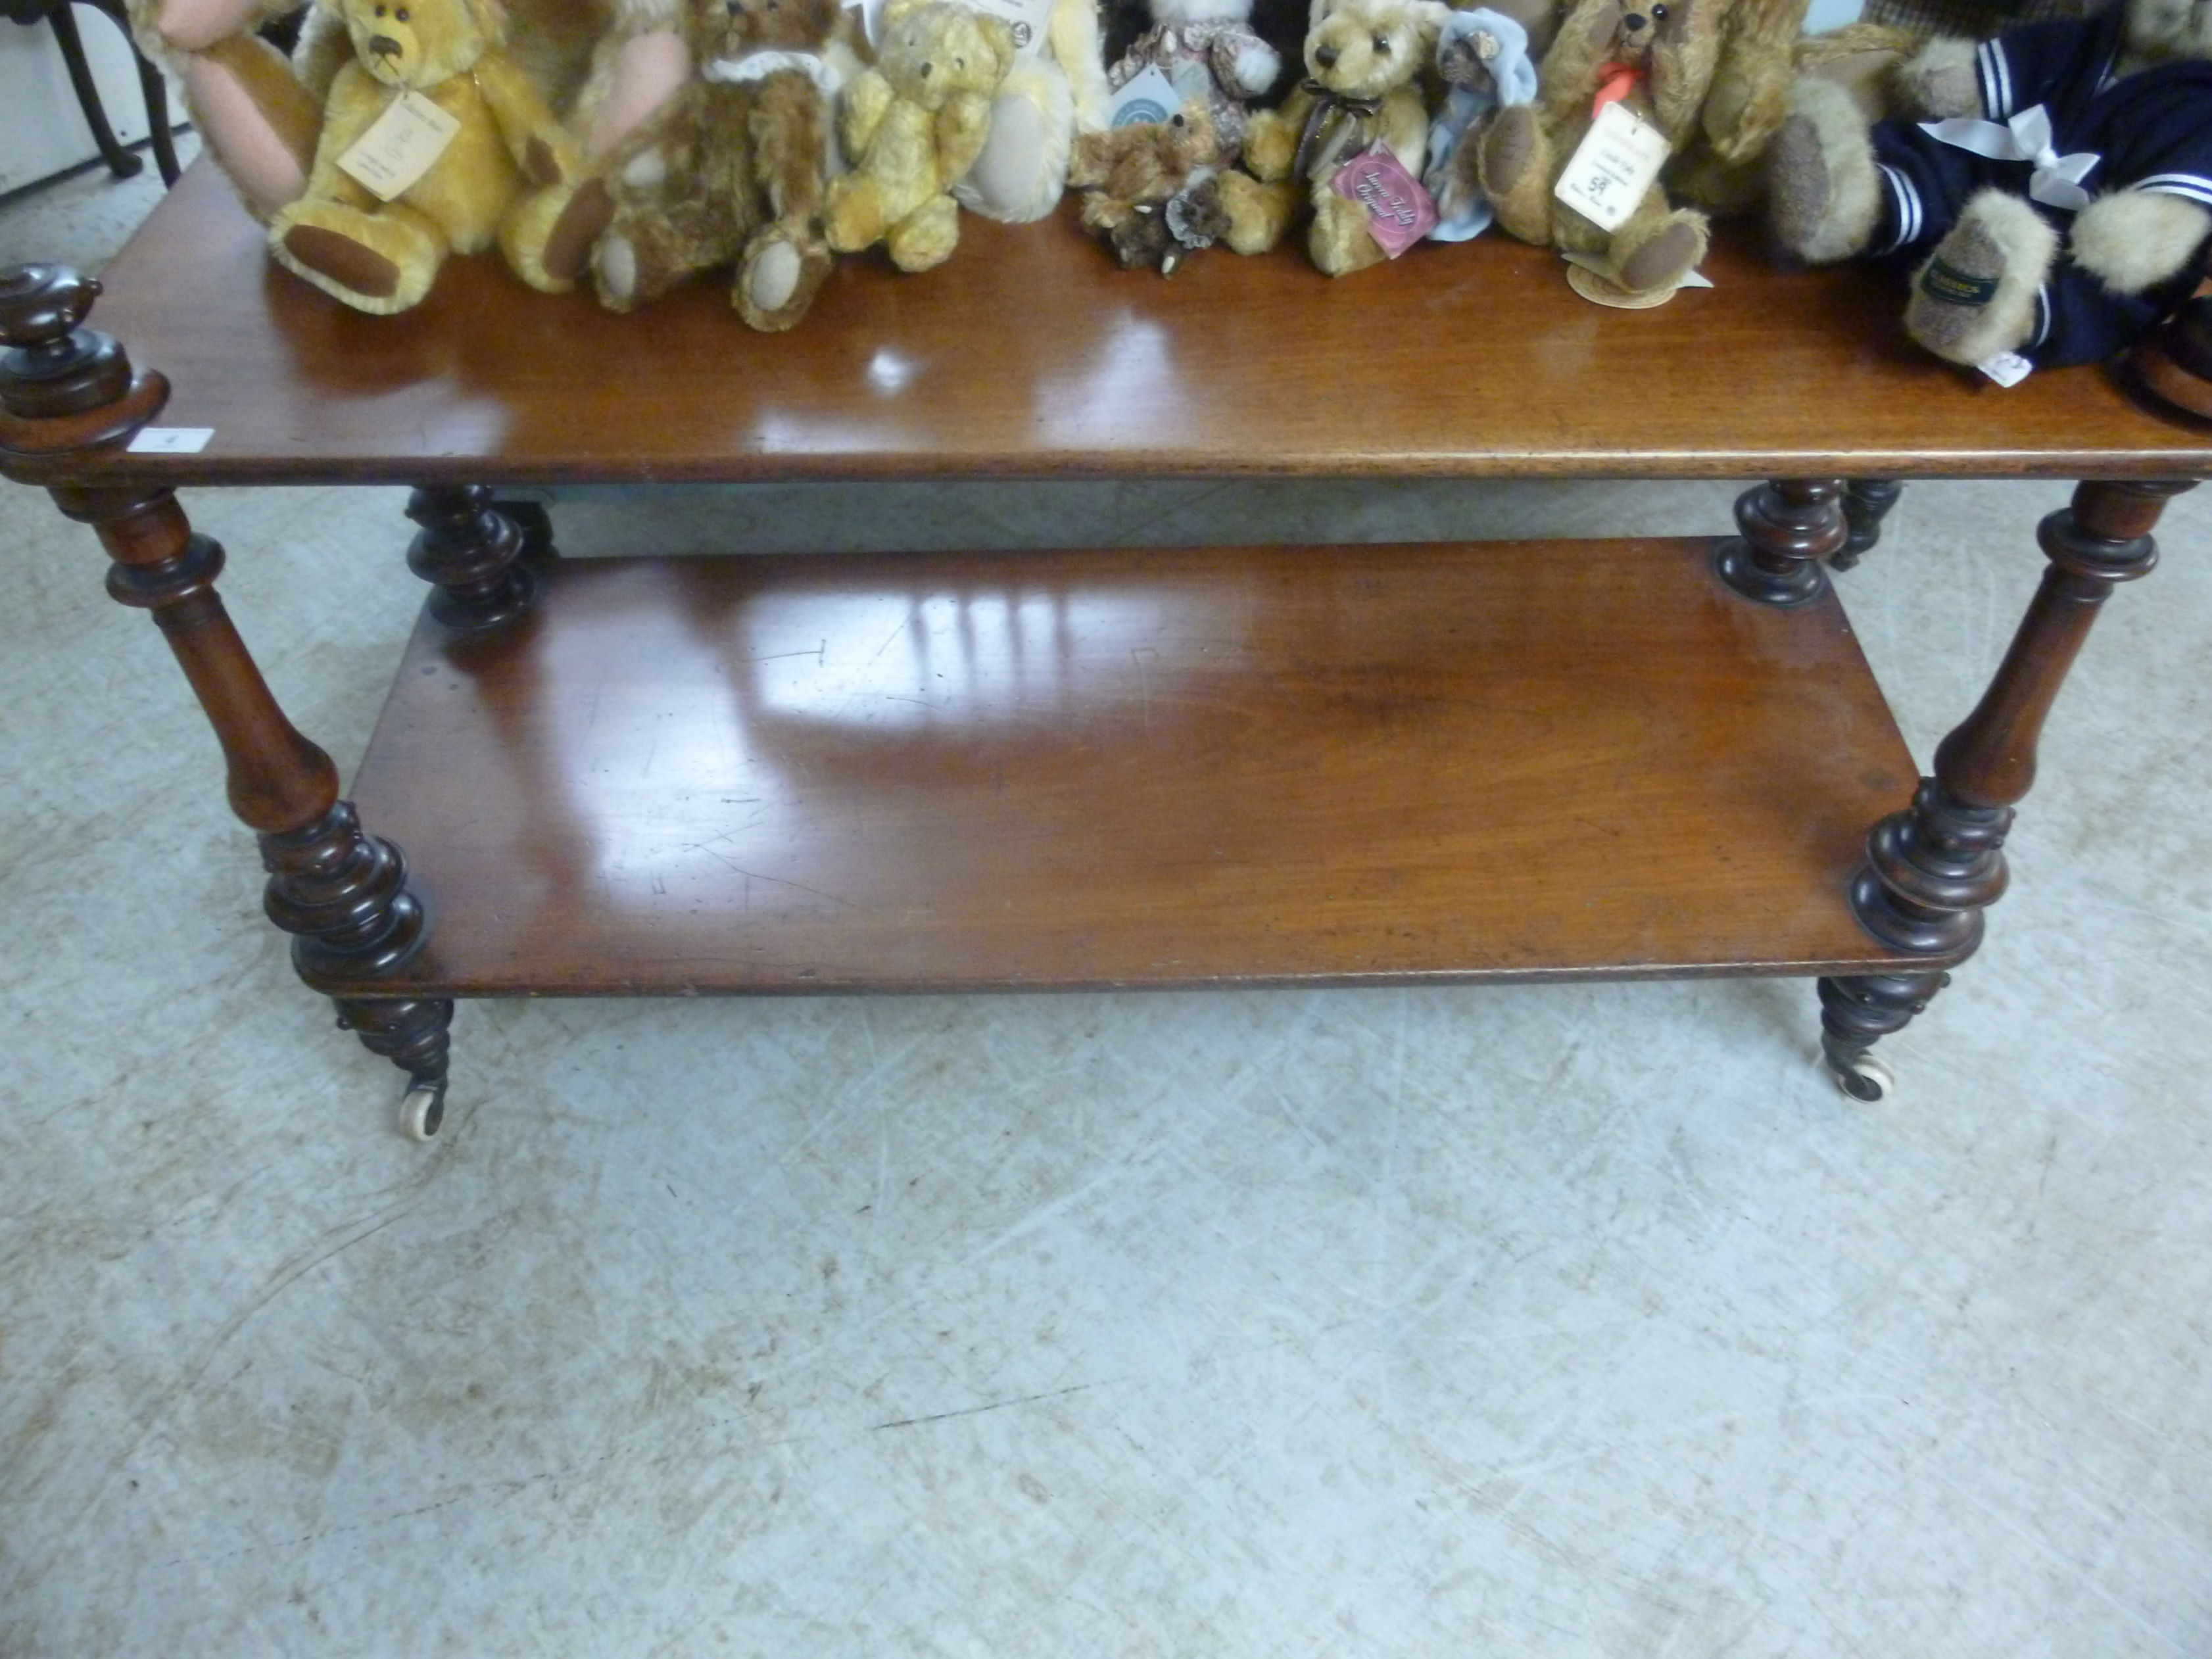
{"x": 41, "y": 130}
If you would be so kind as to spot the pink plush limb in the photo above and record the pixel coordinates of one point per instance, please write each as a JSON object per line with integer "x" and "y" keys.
{"x": 196, "y": 25}
{"x": 649, "y": 70}
{"x": 255, "y": 155}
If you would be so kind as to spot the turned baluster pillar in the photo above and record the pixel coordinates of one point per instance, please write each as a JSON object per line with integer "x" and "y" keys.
{"x": 1867, "y": 502}
{"x": 1933, "y": 868}
{"x": 1789, "y": 525}
{"x": 476, "y": 556}
{"x": 69, "y": 394}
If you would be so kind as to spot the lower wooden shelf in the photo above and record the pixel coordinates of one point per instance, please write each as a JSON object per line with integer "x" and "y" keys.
{"x": 1134, "y": 768}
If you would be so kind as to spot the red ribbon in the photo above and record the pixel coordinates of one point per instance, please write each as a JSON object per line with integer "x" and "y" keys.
{"x": 1614, "y": 82}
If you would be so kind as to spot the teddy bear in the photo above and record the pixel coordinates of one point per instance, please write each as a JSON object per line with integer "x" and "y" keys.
{"x": 911, "y": 125}
{"x": 603, "y": 64}
{"x": 1055, "y": 90}
{"x": 1136, "y": 183}
{"x": 376, "y": 221}
{"x": 1364, "y": 59}
{"x": 1658, "y": 62}
{"x": 1210, "y": 55}
{"x": 734, "y": 170}
{"x": 2054, "y": 205}
{"x": 1483, "y": 59}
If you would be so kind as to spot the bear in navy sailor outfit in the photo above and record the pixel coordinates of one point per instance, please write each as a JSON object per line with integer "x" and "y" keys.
{"x": 2057, "y": 202}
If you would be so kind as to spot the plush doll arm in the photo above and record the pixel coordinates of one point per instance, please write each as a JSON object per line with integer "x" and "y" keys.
{"x": 868, "y": 99}
{"x": 2133, "y": 241}
{"x": 1270, "y": 142}
{"x": 543, "y": 150}
{"x": 962, "y": 127}
{"x": 1242, "y": 61}
{"x": 1079, "y": 49}
{"x": 356, "y": 100}
{"x": 1406, "y": 129}
{"x": 1938, "y": 82}
{"x": 1750, "y": 91}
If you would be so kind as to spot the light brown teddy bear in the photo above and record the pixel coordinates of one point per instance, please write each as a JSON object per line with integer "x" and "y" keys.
{"x": 912, "y": 126}
{"x": 1364, "y": 58}
{"x": 1659, "y": 62}
{"x": 734, "y": 170}
{"x": 379, "y": 250}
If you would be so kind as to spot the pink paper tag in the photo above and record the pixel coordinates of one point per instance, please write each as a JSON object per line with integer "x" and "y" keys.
{"x": 1398, "y": 211}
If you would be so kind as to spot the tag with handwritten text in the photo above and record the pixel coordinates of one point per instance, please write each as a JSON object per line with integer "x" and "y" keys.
{"x": 400, "y": 146}
{"x": 1612, "y": 167}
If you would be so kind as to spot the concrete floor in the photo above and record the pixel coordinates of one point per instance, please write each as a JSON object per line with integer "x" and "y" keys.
{"x": 1534, "y": 1321}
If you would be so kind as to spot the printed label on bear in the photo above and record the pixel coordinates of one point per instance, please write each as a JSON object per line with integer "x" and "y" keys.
{"x": 1149, "y": 96}
{"x": 400, "y": 146}
{"x": 1612, "y": 167}
{"x": 1399, "y": 212}
{"x": 1954, "y": 287}
{"x": 1026, "y": 18}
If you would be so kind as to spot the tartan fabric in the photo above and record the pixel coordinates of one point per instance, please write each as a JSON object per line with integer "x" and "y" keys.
{"x": 1977, "y": 20}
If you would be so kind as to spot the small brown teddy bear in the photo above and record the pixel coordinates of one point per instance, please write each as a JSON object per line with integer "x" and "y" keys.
{"x": 913, "y": 126}
{"x": 1130, "y": 175}
{"x": 1364, "y": 58}
{"x": 379, "y": 250}
{"x": 734, "y": 170}
{"x": 1660, "y": 61}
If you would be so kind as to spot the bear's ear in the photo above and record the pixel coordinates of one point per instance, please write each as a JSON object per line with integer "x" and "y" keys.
{"x": 1429, "y": 18}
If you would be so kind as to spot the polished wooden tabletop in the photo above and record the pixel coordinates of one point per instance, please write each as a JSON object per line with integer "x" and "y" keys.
{"x": 1031, "y": 353}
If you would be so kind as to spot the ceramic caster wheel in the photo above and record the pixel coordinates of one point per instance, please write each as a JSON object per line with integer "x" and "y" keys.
{"x": 421, "y": 1109}
{"x": 1865, "y": 1078}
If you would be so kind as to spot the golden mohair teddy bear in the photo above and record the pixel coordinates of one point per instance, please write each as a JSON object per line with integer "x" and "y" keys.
{"x": 602, "y": 66}
{"x": 911, "y": 125}
{"x": 1659, "y": 63}
{"x": 483, "y": 139}
{"x": 1364, "y": 60}
{"x": 734, "y": 170}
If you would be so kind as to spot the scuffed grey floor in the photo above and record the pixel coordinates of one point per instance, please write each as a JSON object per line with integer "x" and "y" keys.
{"x": 1536, "y": 1321}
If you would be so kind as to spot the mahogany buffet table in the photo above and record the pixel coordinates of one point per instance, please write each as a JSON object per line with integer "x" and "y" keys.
{"x": 1467, "y": 761}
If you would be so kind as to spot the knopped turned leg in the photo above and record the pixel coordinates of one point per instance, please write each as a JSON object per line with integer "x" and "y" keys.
{"x": 477, "y": 554}
{"x": 1788, "y": 525}
{"x": 1867, "y": 502}
{"x": 68, "y": 392}
{"x": 1932, "y": 869}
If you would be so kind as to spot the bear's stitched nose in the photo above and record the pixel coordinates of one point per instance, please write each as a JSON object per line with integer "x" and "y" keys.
{"x": 1632, "y": 22}
{"x": 383, "y": 45}
{"x": 925, "y": 69}
{"x": 1326, "y": 56}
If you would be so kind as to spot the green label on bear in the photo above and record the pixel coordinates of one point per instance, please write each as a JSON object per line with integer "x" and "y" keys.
{"x": 1954, "y": 287}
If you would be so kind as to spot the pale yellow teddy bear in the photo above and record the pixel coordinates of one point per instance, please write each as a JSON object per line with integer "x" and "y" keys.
{"x": 912, "y": 126}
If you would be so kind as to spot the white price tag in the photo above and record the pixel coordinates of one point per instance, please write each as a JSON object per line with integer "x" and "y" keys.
{"x": 2007, "y": 368}
{"x": 1149, "y": 96}
{"x": 400, "y": 146}
{"x": 171, "y": 440}
{"x": 1612, "y": 167}
{"x": 1028, "y": 19}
